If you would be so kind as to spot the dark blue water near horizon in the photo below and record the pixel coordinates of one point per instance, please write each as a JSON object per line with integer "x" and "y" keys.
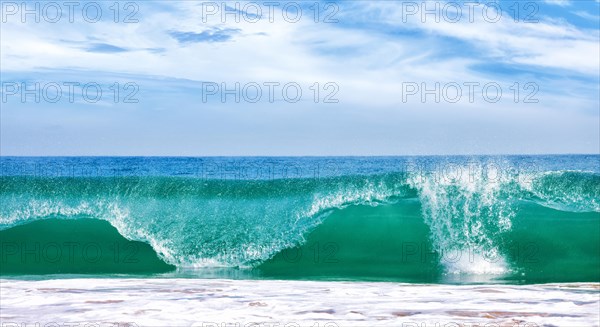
{"x": 258, "y": 168}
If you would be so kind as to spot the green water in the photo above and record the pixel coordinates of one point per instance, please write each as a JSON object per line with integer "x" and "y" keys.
{"x": 362, "y": 242}
{"x": 383, "y": 227}
{"x": 387, "y": 243}
{"x": 81, "y": 246}
{"x": 392, "y": 243}
{"x": 555, "y": 246}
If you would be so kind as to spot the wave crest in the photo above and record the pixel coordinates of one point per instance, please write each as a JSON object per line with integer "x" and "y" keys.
{"x": 199, "y": 223}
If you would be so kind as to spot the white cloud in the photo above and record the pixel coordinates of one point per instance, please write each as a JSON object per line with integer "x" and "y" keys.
{"x": 562, "y": 3}
{"x": 550, "y": 44}
{"x": 369, "y": 62}
{"x": 587, "y": 15}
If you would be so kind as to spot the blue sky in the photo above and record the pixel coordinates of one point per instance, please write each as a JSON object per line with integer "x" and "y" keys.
{"x": 166, "y": 62}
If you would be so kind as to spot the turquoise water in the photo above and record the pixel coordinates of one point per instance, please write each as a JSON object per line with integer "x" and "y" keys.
{"x": 515, "y": 219}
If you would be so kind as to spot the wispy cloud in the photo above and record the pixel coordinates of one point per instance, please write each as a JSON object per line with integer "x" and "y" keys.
{"x": 562, "y": 3}
{"x": 587, "y": 15}
{"x": 553, "y": 44}
{"x": 105, "y": 48}
{"x": 215, "y": 34}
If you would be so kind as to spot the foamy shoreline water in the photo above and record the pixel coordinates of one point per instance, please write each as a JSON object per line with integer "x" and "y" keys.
{"x": 219, "y": 302}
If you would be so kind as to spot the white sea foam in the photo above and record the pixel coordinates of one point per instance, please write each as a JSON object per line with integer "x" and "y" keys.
{"x": 468, "y": 262}
{"x": 194, "y": 302}
{"x": 466, "y": 212}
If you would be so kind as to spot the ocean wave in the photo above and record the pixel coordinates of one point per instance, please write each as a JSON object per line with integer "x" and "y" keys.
{"x": 235, "y": 223}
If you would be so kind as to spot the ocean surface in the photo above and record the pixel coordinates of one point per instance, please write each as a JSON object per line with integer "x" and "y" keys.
{"x": 135, "y": 302}
{"x": 439, "y": 220}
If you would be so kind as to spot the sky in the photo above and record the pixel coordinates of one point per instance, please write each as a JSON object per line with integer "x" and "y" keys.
{"x": 237, "y": 78}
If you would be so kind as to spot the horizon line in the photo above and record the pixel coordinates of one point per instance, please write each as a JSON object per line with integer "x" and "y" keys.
{"x": 297, "y": 156}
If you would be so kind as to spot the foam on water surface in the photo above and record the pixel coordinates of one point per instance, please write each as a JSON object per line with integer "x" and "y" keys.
{"x": 219, "y": 302}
